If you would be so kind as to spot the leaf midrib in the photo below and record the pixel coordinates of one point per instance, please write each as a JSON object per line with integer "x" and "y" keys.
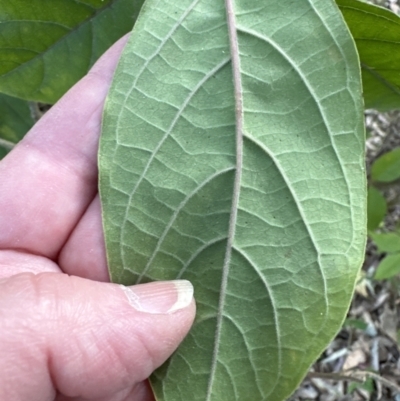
{"x": 238, "y": 93}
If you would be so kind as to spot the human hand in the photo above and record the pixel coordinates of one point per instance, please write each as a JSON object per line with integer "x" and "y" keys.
{"x": 65, "y": 333}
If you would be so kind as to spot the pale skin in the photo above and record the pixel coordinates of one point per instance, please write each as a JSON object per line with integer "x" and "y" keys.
{"x": 66, "y": 333}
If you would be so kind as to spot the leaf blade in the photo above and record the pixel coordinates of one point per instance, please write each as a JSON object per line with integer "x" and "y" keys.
{"x": 377, "y": 208}
{"x": 388, "y": 268}
{"x": 386, "y": 242}
{"x": 175, "y": 118}
{"x": 386, "y": 167}
{"x": 376, "y": 31}
{"x": 45, "y": 50}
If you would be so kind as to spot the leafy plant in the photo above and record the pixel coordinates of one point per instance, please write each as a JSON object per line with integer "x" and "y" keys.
{"x": 231, "y": 155}
{"x": 385, "y": 170}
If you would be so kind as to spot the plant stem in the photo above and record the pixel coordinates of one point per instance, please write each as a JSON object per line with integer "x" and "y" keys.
{"x": 6, "y": 144}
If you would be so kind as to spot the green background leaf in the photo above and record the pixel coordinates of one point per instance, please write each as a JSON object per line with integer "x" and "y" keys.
{"x": 272, "y": 236}
{"x": 376, "y": 208}
{"x": 386, "y": 242}
{"x": 15, "y": 122}
{"x": 376, "y": 32}
{"x": 389, "y": 267}
{"x": 355, "y": 323}
{"x": 387, "y": 167}
{"x": 46, "y": 47}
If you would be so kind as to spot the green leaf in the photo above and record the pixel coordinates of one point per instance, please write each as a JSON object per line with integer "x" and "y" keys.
{"x": 355, "y": 323}
{"x": 389, "y": 267}
{"x": 368, "y": 386}
{"x": 15, "y": 122}
{"x": 386, "y": 242}
{"x": 238, "y": 164}
{"x": 377, "y": 208}
{"x": 387, "y": 167}
{"x": 376, "y": 32}
{"x": 45, "y": 49}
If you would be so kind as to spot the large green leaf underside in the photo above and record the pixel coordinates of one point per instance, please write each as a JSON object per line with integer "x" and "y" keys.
{"x": 376, "y": 32}
{"x": 46, "y": 48}
{"x": 272, "y": 236}
{"x": 15, "y": 121}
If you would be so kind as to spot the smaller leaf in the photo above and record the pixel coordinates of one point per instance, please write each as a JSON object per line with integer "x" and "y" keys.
{"x": 15, "y": 122}
{"x": 355, "y": 323}
{"x": 368, "y": 386}
{"x": 389, "y": 267}
{"x": 376, "y": 32}
{"x": 387, "y": 167}
{"x": 387, "y": 242}
{"x": 376, "y": 208}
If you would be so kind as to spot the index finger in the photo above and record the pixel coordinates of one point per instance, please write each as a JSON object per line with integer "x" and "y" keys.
{"x": 50, "y": 178}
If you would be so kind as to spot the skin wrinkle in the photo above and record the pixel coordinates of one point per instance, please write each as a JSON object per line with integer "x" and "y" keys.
{"x": 84, "y": 252}
{"x": 24, "y": 261}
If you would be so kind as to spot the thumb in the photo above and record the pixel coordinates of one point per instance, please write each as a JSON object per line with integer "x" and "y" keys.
{"x": 85, "y": 339}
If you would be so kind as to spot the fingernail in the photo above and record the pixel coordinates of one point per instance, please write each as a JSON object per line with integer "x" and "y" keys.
{"x": 160, "y": 297}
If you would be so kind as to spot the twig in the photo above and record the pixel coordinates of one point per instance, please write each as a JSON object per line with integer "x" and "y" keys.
{"x": 352, "y": 377}
{"x": 333, "y": 376}
{"x": 36, "y": 114}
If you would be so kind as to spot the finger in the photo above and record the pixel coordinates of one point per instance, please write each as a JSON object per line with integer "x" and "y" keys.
{"x": 139, "y": 392}
{"x": 86, "y": 339}
{"x": 14, "y": 262}
{"x": 49, "y": 179}
{"x": 84, "y": 253}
